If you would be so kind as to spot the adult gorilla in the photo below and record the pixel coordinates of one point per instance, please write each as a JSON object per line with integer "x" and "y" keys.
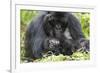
{"x": 53, "y": 31}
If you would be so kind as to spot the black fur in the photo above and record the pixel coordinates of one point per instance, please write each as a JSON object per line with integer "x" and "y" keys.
{"x": 49, "y": 26}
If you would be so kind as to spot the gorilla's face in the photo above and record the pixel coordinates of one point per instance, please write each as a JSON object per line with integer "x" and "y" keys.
{"x": 58, "y": 21}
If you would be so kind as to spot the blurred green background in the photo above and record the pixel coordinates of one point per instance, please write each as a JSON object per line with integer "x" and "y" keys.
{"x": 26, "y": 16}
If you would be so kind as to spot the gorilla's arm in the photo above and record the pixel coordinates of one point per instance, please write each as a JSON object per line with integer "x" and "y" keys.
{"x": 34, "y": 37}
{"x": 76, "y": 32}
{"x": 74, "y": 27}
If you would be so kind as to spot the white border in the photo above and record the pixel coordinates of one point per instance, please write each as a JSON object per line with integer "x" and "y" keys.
{"x": 15, "y": 60}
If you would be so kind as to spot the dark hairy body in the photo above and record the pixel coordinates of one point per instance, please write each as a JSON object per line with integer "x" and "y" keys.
{"x": 48, "y": 33}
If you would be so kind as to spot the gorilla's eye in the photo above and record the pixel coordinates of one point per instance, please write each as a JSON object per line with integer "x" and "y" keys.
{"x": 52, "y": 22}
{"x": 50, "y": 18}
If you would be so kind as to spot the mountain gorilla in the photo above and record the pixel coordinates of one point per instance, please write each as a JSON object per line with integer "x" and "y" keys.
{"x": 58, "y": 32}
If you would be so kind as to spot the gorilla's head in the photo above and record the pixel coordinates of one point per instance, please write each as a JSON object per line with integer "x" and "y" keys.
{"x": 57, "y": 20}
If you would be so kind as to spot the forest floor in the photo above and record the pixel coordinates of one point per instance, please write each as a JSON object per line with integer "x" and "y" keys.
{"x": 77, "y": 56}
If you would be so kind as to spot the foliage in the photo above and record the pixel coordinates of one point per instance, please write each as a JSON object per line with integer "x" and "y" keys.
{"x": 85, "y": 22}
{"x": 25, "y": 18}
{"x": 76, "y": 56}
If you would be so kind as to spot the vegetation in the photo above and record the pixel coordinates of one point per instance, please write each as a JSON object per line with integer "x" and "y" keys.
{"x": 27, "y": 15}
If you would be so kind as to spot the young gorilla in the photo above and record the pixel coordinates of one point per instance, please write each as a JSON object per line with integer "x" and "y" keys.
{"x": 61, "y": 27}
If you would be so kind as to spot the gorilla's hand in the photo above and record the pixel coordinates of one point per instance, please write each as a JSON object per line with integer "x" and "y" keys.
{"x": 53, "y": 43}
{"x": 84, "y": 45}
